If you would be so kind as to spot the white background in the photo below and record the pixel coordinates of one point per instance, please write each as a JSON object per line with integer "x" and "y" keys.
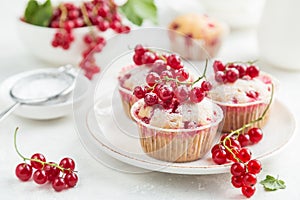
{"x": 58, "y": 138}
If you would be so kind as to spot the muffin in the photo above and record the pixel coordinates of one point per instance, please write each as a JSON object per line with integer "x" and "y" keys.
{"x": 196, "y": 36}
{"x": 181, "y": 136}
{"x": 243, "y": 93}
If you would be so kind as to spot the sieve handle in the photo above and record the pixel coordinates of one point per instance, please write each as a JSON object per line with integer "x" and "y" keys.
{"x": 9, "y": 110}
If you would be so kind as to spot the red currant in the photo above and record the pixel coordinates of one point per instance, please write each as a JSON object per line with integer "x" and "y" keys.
{"x": 23, "y": 171}
{"x": 139, "y": 49}
{"x": 220, "y": 77}
{"x": 181, "y": 74}
{"x": 248, "y": 191}
{"x": 206, "y": 86}
{"x": 182, "y": 93}
{"x": 35, "y": 164}
{"x": 252, "y": 71}
{"x": 148, "y": 58}
{"x": 166, "y": 74}
{"x": 71, "y": 179}
{"x": 237, "y": 181}
{"x": 196, "y": 95}
{"x": 51, "y": 171}
{"x": 151, "y": 99}
{"x": 217, "y": 147}
{"x": 165, "y": 93}
{"x": 244, "y": 154}
{"x": 58, "y": 184}
{"x": 137, "y": 58}
{"x": 139, "y": 92}
{"x": 242, "y": 70}
{"x": 218, "y": 66}
{"x": 174, "y": 61}
{"x": 254, "y": 166}
{"x": 237, "y": 169}
{"x": 68, "y": 164}
{"x": 152, "y": 78}
{"x": 39, "y": 176}
{"x": 219, "y": 156}
{"x": 244, "y": 139}
{"x": 232, "y": 75}
{"x": 249, "y": 179}
{"x": 159, "y": 66}
{"x": 255, "y": 135}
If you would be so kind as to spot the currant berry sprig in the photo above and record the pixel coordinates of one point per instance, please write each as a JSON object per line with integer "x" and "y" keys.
{"x": 232, "y": 148}
{"x": 232, "y": 71}
{"x": 61, "y": 176}
{"x": 167, "y": 81}
{"x": 97, "y": 14}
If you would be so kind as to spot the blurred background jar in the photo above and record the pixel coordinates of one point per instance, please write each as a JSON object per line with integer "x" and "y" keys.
{"x": 279, "y": 34}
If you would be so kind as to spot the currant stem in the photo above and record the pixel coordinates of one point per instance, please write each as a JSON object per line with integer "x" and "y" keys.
{"x": 35, "y": 160}
{"x": 64, "y": 13}
{"x": 238, "y": 131}
{"x": 15, "y": 144}
{"x": 203, "y": 74}
{"x": 86, "y": 18}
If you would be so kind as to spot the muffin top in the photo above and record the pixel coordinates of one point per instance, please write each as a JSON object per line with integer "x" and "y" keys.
{"x": 197, "y": 26}
{"x": 186, "y": 116}
{"x": 245, "y": 90}
{"x": 133, "y": 75}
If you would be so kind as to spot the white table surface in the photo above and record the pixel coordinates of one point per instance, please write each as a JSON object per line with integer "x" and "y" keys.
{"x": 58, "y": 138}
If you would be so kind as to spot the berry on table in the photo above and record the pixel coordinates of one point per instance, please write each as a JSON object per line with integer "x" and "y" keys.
{"x": 39, "y": 176}
{"x": 60, "y": 176}
{"x": 36, "y": 164}
{"x": 23, "y": 171}
{"x": 248, "y": 191}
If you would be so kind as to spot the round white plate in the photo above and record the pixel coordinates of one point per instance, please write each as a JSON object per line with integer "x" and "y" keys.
{"x": 43, "y": 111}
{"x": 105, "y": 128}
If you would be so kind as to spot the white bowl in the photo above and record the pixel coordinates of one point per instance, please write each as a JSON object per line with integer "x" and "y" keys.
{"x": 37, "y": 40}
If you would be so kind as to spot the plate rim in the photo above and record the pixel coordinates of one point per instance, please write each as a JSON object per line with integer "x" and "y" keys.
{"x": 174, "y": 168}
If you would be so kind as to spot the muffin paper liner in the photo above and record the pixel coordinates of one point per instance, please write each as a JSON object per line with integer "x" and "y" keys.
{"x": 177, "y": 145}
{"x": 237, "y": 116}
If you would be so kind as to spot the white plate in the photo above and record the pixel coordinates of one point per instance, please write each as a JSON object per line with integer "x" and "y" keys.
{"x": 107, "y": 129}
{"x": 42, "y": 112}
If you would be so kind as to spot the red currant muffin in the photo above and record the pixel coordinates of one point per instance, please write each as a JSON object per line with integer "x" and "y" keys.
{"x": 200, "y": 37}
{"x": 175, "y": 121}
{"x": 242, "y": 91}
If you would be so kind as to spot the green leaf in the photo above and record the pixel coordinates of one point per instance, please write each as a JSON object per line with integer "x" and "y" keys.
{"x": 138, "y": 10}
{"x": 271, "y": 184}
{"x": 38, "y": 14}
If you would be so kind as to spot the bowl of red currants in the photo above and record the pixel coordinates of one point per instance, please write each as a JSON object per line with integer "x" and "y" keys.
{"x": 70, "y": 33}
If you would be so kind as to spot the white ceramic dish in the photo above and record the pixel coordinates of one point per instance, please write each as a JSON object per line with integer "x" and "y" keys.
{"x": 43, "y": 112}
{"x": 37, "y": 40}
{"x": 107, "y": 129}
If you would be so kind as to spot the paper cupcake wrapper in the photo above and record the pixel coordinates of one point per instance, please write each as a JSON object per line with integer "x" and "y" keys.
{"x": 177, "y": 146}
{"x": 128, "y": 100}
{"x": 194, "y": 49}
{"x": 237, "y": 116}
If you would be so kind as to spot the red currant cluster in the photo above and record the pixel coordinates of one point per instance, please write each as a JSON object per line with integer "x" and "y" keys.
{"x": 167, "y": 82}
{"x": 65, "y": 17}
{"x": 232, "y": 149}
{"x": 102, "y": 14}
{"x": 61, "y": 176}
{"x": 230, "y": 72}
